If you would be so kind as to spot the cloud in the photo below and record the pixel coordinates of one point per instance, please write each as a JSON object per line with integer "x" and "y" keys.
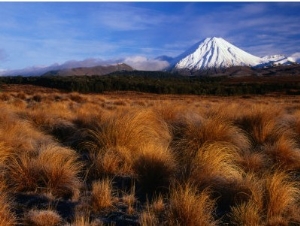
{"x": 296, "y": 57}
{"x": 137, "y": 62}
{"x": 126, "y": 17}
{"x": 39, "y": 70}
{"x": 143, "y": 63}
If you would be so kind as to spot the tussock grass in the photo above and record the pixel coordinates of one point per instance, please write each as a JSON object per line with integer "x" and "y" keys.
{"x": 102, "y": 195}
{"x": 282, "y": 197}
{"x": 189, "y": 207}
{"x": 52, "y": 169}
{"x": 148, "y": 219}
{"x": 130, "y": 199}
{"x": 148, "y": 159}
{"x": 42, "y": 218}
{"x": 60, "y": 171}
{"x": 155, "y": 169}
{"x": 126, "y": 128}
{"x": 261, "y": 124}
{"x": 153, "y": 212}
{"x": 246, "y": 213}
{"x": 215, "y": 160}
{"x": 273, "y": 200}
{"x": 19, "y": 134}
{"x": 114, "y": 143}
{"x": 198, "y": 132}
{"x": 284, "y": 153}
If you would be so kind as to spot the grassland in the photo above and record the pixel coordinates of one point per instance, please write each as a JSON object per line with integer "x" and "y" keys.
{"x": 127, "y": 158}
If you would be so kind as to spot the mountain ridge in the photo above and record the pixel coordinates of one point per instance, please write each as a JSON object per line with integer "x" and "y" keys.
{"x": 89, "y": 71}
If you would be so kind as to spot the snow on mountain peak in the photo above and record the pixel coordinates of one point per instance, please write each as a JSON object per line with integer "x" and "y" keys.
{"x": 278, "y": 59}
{"x": 215, "y": 53}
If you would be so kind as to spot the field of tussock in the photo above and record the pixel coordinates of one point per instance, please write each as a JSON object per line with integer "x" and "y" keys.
{"x": 145, "y": 159}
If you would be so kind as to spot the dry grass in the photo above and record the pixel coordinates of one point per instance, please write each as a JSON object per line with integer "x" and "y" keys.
{"x": 261, "y": 124}
{"x": 129, "y": 199}
{"x": 7, "y": 217}
{"x": 282, "y": 197}
{"x": 245, "y": 214}
{"x": 215, "y": 160}
{"x": 42, "y": 218}
{"x": 189, "y": 207}
{"x": 155, "y": 168}
{"x": 102, "y": 195}
{"x": 114, "y": 143}
{"x": 132, "y": 158}
{"x": 51, "y": 170}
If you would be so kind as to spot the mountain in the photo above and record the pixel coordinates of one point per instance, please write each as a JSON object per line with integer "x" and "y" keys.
{"x": 97, "y": 70}
{"x": 214, "y": 53}
{"x": 275, "y": 60}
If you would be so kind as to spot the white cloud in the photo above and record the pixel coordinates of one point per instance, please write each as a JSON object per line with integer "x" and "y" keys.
{"x": 296, "y": 57}
{"x": 137, "y": 62}
{"x": 39, "y": 70}
{"x": 143, "y": 63}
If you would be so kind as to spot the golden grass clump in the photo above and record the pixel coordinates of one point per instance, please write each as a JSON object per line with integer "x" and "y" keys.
{"x": 261, "y": 124}
{"x": 148, "y": 218}
{"x": 284, "y": 153}
{"x": 102, "y": 195}
{"x": 273, "y": 200}
{"x": 53, "y": 170}
{"x": 110, "y": 162}
{"x": 254, "y": 162}
{"x": 19, "y": 134}
{"x": 282, "y": 194}
{"x": 126, "y": 128}
{"x": 189, "y": 207}
{"x": 153, "y": 212}
{"x": 215, "y": 160}
{"x": 246, "y": 213}
{"x": 60, "y": 171}
{"x": 198, "y": 132}
{"x": 118, "y": 139}
{"x": 250, "y": 210}
{"x": 42, "y": 218}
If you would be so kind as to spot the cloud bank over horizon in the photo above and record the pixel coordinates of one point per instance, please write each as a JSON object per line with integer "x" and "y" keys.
{"x": 136, "y": 62}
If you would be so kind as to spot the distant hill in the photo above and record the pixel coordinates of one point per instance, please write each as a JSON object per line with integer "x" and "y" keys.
{"x": 89, "y": 71}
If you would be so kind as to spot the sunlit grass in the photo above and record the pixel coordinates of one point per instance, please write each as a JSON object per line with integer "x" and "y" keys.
{"x": 74, "y": 159}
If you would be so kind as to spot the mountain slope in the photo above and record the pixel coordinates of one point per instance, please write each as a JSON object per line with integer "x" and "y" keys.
{"x": 274, "y": 60}
{"x": 215, "y": 53}
{"x": 98, "y": 70}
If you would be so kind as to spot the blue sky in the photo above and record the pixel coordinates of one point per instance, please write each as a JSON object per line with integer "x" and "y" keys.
{"x": 47, "y": 33}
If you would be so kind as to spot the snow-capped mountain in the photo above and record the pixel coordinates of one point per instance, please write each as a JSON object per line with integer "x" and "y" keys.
{"x": 215, "y": 53}
{"x": 273, "y": 60}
